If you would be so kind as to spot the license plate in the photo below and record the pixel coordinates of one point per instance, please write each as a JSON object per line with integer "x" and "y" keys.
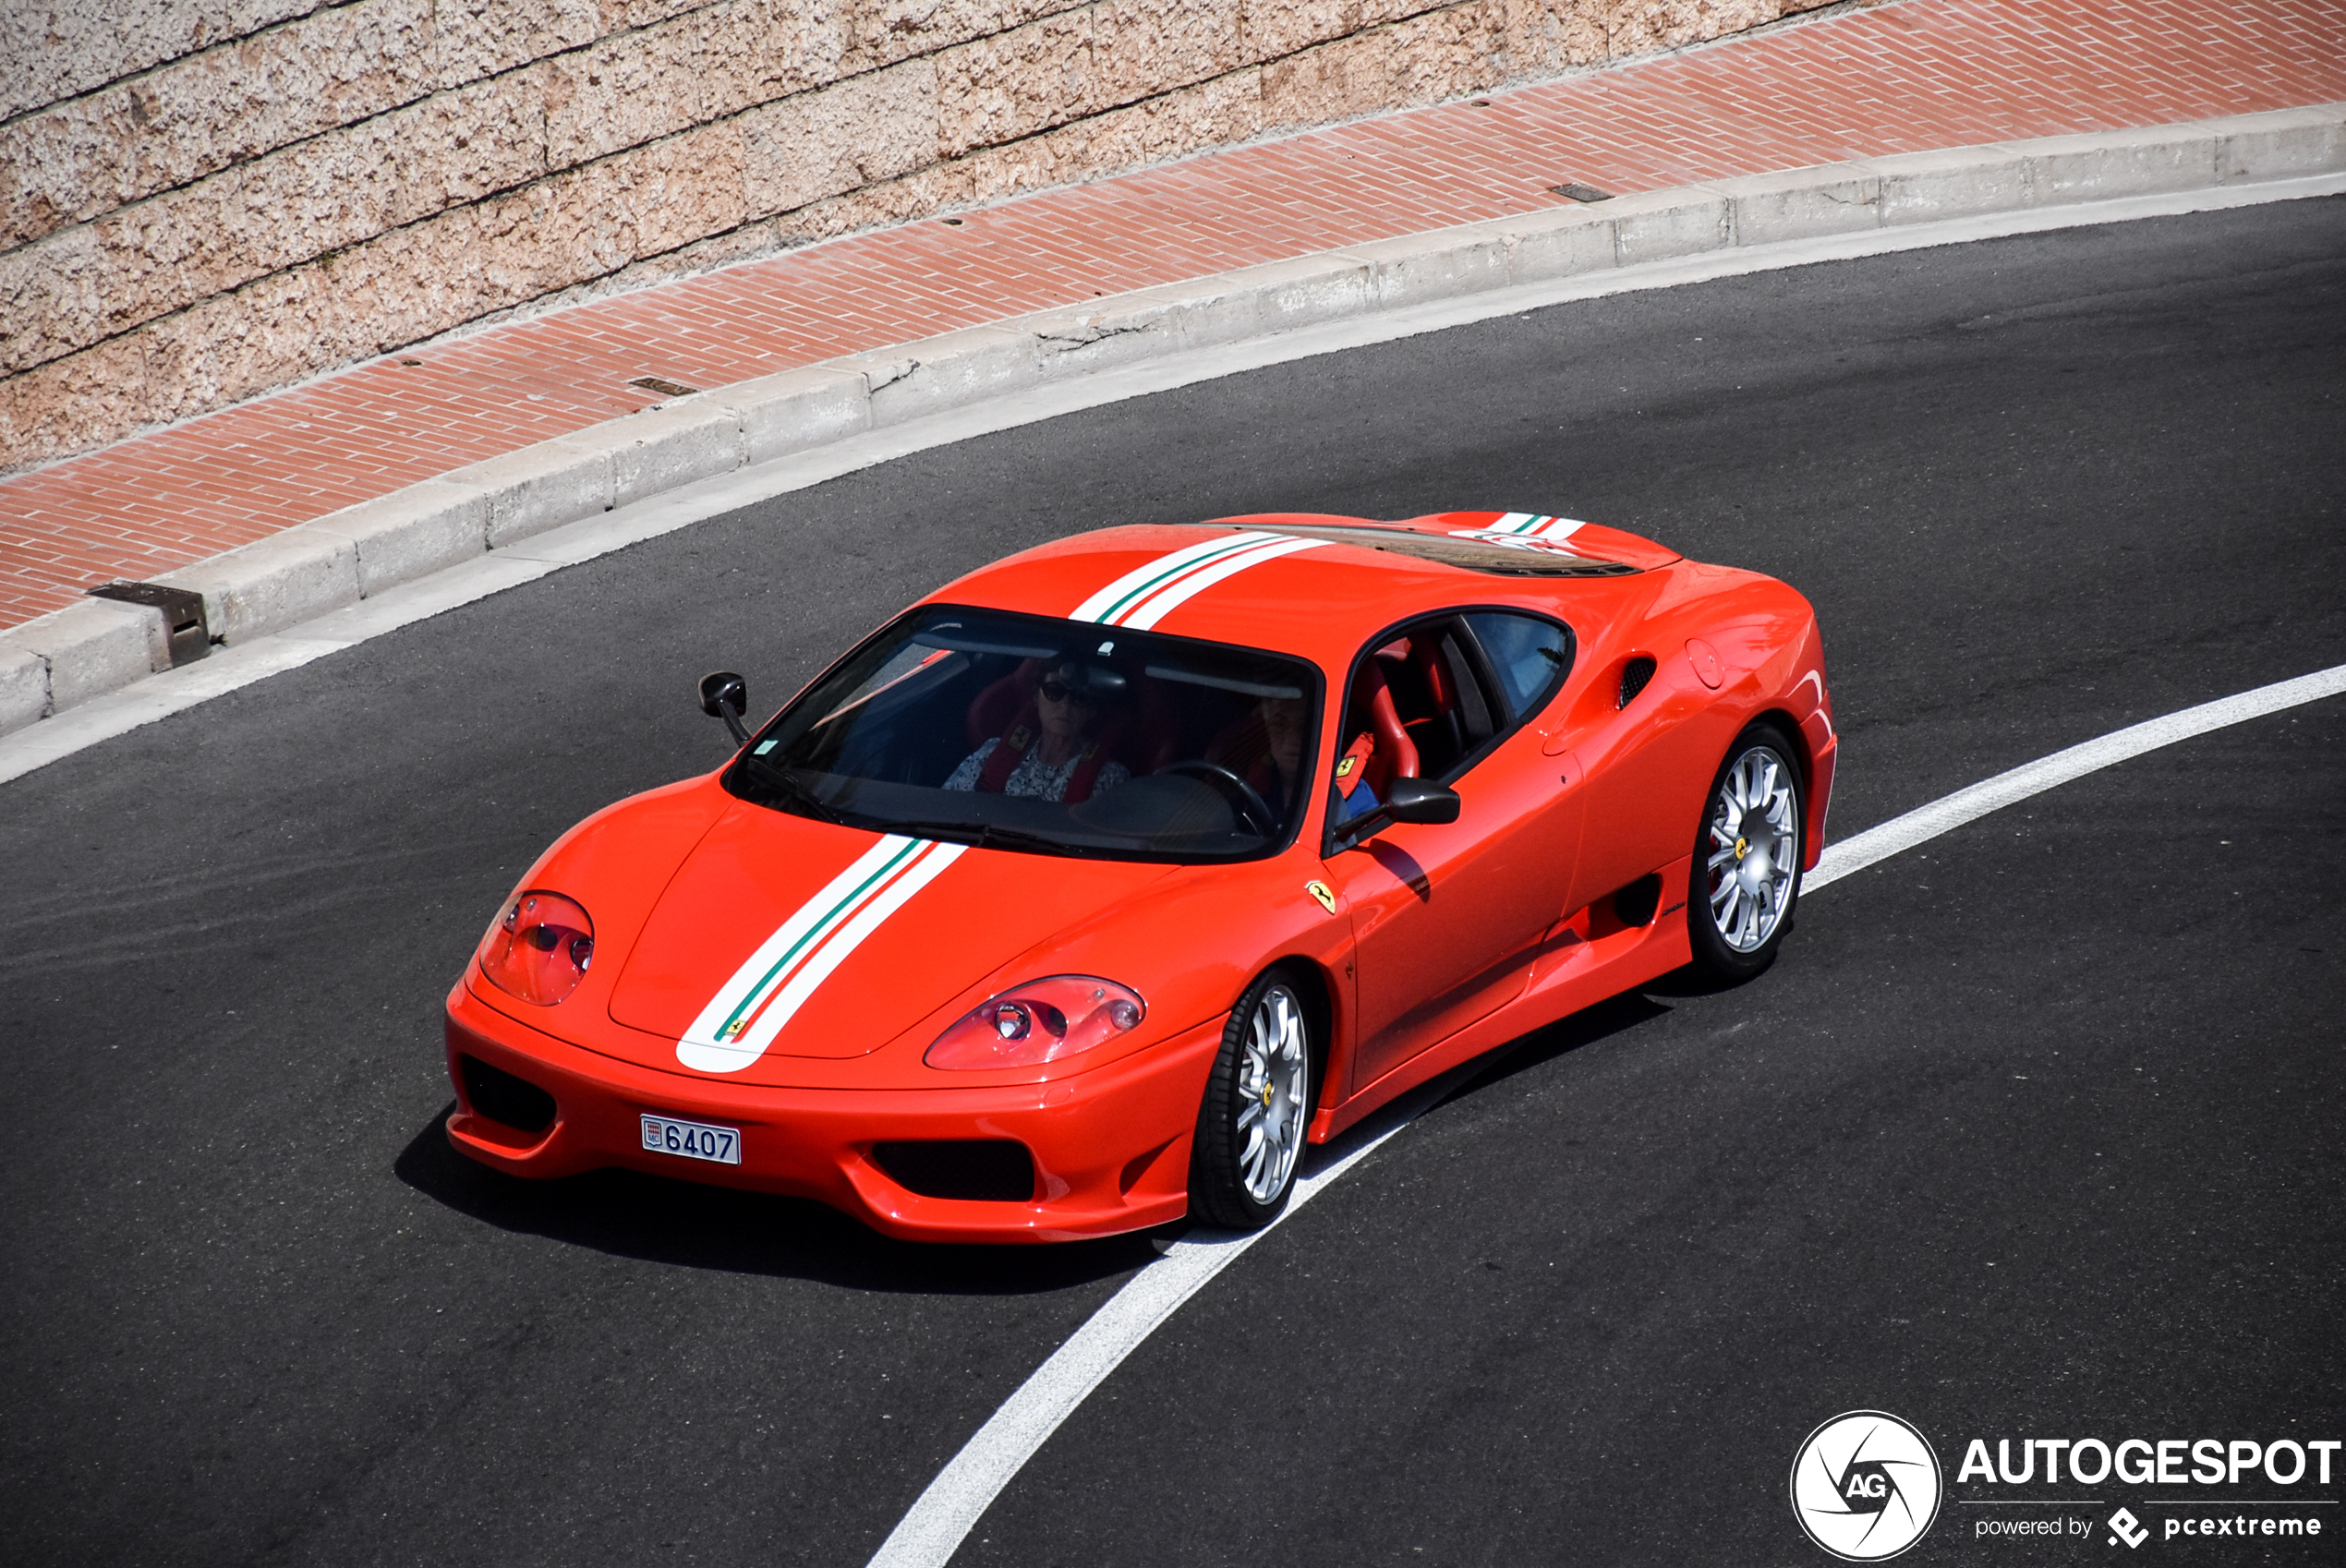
{"x": 693, "y": 1141}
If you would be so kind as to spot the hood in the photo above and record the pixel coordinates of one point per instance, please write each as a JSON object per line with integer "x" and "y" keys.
{"x": 783, "y": 937}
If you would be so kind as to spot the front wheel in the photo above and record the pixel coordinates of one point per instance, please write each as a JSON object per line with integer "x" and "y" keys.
{"x": 1747, "y": 858}
{"x": 1258, "y": 1102}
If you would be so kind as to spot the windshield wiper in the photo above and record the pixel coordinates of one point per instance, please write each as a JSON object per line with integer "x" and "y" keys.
{"x": 765, "y": 775}
{"x": 984, "y": 834}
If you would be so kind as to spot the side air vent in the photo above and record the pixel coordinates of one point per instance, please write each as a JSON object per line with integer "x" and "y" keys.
{"x": 1634, "y": 676}
{"x": 985, "y": 1170}
{"x": 1635, "y": 903}
{"x": 501, "y": 1097}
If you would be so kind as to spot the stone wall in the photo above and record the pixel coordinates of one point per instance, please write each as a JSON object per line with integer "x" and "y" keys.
{"x": 201, "y": 202}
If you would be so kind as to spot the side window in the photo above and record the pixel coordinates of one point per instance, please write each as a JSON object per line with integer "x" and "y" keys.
{"x": 1528, "y": 657}
{"x": 1419, "y": 706}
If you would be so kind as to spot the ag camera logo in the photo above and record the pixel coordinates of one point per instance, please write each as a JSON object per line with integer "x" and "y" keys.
{"x": 1865, "y": 1486}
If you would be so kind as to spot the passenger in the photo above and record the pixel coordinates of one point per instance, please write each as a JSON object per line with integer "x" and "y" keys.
{"x": 1353, "y": 795}
{"x": 1056, "y": 761}
{"x": 1285, "y": 721}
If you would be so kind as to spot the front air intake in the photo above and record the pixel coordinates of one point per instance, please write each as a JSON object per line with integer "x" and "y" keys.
{"x": 501, "y": 1097}
{"x": 1634, "y": 676}
{"x": 984, "y": 1170}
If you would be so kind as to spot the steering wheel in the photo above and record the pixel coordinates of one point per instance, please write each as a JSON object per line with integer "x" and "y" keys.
{"x": 1254, "y": 812}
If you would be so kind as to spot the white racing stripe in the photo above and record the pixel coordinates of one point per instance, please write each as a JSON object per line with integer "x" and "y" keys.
{"x": 1531, "y": 524}
{"x": 1146, "y": 595}
{"x": 1119, "y": 596}
{"x": 941, "y": 1518}
{"x": 1527, "y": 530}
{"x": 1157, "y": 606}
{"x": 750, "y": 1008}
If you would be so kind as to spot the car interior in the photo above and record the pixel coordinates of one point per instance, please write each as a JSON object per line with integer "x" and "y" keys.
{"x": 1176, "y": 746}
{"x": 1422, "y": 699}
{"x": 900, "y": 734}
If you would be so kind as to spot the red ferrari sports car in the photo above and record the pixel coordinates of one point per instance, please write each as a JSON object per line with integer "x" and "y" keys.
{"x": 1084, "y": 893}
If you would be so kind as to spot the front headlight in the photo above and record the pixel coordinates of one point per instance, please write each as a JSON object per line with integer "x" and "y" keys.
{"x": 1041, "y": 1021}
{"x": 539, "y": 949}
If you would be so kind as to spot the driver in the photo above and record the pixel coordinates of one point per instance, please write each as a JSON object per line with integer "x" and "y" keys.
{"x": 1045, "y": 761}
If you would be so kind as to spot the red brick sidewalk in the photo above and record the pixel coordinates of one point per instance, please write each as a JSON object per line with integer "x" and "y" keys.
{"x": 1896, "y": 77}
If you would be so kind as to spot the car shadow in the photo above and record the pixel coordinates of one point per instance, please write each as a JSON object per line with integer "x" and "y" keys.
{"x": 1610, "y": 1016}
{"x": 630, "y": 1215}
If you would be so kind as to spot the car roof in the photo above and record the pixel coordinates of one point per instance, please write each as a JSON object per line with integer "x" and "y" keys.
{"x": 1310, "y": 583}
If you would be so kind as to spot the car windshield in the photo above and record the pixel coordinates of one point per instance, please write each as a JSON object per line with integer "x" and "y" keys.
{"x": 1056, "y": 737}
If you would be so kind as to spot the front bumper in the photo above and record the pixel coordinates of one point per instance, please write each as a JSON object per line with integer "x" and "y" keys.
{"x": 1110, "y": 1147}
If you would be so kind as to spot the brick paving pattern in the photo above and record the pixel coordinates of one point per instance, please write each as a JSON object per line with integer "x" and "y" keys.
{"x": 1903, "y": 77}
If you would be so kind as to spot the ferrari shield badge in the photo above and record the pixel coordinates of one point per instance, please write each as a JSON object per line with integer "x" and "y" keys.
{"x": 1323, "y": 892}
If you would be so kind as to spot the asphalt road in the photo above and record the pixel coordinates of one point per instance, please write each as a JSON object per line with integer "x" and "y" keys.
{"x": 2033, "y": 1131}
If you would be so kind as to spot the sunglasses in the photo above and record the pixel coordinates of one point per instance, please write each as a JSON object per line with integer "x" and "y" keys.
{"x": 1057, "y": 690}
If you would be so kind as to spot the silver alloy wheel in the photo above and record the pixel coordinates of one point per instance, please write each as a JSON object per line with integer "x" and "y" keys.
{"x": 1755, "y": 849}
{"x": 1273, "y": 1086}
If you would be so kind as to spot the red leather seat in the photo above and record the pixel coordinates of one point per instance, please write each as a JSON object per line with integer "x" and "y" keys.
{"x": 1150, "y": 735}
{"x": 1427, "y": 660}
{"x": 1417, "y": 665}
{"x": 1003, "y": 705}
{"x": 1395, "y": 755}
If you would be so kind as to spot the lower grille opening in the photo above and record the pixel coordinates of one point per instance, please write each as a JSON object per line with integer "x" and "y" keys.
{"x": 501, "y": 1097}
{"x": 988, "y": 1170}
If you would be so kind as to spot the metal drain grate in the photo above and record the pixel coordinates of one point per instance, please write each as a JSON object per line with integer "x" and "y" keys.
{"x": 663, "y": 386}
{"x": 1579, "y": 192}
{"x": 183, "y": 612}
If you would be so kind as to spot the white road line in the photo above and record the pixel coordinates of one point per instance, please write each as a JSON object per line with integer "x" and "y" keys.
{"x": 929, "y": 1535}
{"x": 1993, "y": 794}
{"x": 933, "y": 1531}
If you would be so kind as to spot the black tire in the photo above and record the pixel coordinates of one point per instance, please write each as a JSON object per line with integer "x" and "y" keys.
{"x": 1232, "y": 1181}
{"x": 1735, "y": 946}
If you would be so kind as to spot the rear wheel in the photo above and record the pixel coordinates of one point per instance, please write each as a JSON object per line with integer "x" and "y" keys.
{"x": 1747, "y": 858}
{"x": 1258, "y": 1101}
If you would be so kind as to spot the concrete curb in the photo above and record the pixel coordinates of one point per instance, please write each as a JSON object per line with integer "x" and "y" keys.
{"x": 70, "y": 655}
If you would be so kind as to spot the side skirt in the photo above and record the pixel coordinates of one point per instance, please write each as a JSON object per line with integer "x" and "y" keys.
{"x": 1571, "y": 972}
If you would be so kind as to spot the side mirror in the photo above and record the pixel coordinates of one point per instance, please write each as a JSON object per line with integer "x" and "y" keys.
{"x": 1421, "y": 800}
{"x": 725, "y": 695}
{"x": 1407, "y": 800}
